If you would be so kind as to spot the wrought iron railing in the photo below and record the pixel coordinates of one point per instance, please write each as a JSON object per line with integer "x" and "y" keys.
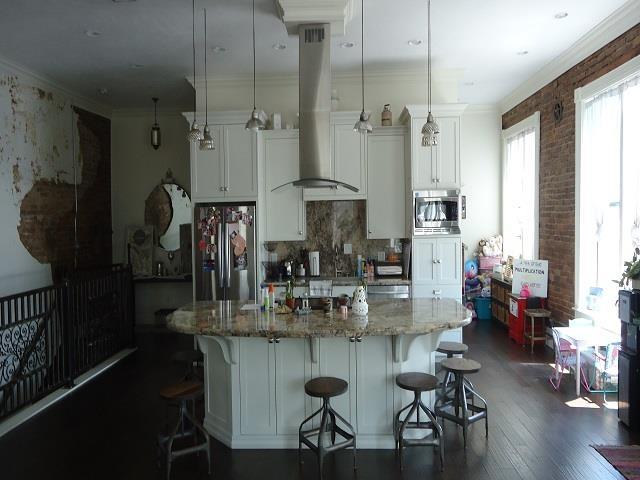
{"x": 51, "y": 335}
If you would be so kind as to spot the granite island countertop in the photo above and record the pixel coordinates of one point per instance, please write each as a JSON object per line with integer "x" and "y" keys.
{"x": 385, "y": 318}
{"x": 341, "y": 281}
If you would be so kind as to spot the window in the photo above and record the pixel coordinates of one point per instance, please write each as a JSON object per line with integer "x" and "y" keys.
{"x": 521, "y": 145}
{"x": 608, "y": 185}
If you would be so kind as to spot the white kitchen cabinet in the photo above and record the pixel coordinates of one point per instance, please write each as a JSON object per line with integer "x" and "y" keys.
{"x": 284, "y": 211}
{"x": 437, "y": 167}
{"x": 257, "y": 386}
{"x": 386, "y": 200}
{"x": 337, "y": 358}
{"x": 230, "y": 172}
{"x": 348, "y": 161}
{"x": 436, "y": 264}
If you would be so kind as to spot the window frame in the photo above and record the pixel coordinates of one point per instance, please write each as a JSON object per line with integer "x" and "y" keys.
{"x": 581, "y": 97}
{"x": 531, "y": 122}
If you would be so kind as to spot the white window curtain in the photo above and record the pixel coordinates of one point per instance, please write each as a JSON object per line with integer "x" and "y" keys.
{"x": 519, "y": 194}
{"x": 609, "y": 189}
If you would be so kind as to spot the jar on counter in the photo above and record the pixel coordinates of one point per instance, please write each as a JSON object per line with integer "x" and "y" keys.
{"x": 386, "y": 116}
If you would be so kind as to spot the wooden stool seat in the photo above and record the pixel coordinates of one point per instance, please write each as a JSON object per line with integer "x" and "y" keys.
{"x": 533, "y": 314}
{"x": 460, "y": 365}
{"x": 182, "y": 390}
{"x": 537, "y": 312}
{"x": 325, "y": 387}
{"x": 452, "y": 348}
{"x": 416, "y": 381}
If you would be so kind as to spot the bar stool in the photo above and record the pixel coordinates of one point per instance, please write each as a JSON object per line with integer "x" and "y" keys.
{"x": 449, "y": 407}
{"x": 325, "y": 388}
{"x": 183, "y": 393}
{"x": 417, "y": 383}
{"x": 533, "y": 314}
{"x": 450, "y": 349}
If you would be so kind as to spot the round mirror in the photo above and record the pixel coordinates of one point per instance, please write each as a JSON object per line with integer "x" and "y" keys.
{"x": 166, "y": 208}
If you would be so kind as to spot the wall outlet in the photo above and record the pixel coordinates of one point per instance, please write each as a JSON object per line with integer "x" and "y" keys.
{"x": 348, "y": 249}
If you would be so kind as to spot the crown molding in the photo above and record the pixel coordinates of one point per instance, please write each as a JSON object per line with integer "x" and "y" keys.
{"x": 50, "y": 84}
{"x": 337, "y": 13}
{"x": 620, "y": 21}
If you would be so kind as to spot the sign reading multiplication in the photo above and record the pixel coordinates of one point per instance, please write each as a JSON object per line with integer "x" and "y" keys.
{"x": 534, "y": 274}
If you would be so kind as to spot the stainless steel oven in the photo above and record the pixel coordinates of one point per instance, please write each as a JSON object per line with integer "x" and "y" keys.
{"x": 436, "y": 212}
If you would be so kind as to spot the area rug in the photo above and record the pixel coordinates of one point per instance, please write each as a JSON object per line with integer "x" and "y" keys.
{"x": 625, "y": 459}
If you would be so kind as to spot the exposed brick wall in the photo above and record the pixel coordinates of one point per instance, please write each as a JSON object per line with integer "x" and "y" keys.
{"x": 557, "y": 163}
{"x": 46, "y": 226}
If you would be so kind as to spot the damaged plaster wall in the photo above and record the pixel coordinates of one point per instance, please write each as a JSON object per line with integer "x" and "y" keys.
{"x": 38, "y": 137}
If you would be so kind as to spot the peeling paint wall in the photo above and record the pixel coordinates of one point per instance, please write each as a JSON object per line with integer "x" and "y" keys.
{"x": 40, "y": 131}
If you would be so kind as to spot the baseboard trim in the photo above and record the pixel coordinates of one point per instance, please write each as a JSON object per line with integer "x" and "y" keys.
{"x": 34, "y": 409}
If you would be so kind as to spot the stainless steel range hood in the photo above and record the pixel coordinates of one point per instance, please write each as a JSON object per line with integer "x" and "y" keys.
{"x": 315, "y": 108}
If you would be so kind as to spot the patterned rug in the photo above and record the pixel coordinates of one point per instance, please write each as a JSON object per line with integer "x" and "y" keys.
{"x": 625, "y": 459}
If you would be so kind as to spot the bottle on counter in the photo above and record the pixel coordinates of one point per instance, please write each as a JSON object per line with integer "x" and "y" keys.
{"x": 265, "y": 299}
{"x": 386, "y": 119}
{"x": 272, "y": 297}
{"x": 359, "y": 266}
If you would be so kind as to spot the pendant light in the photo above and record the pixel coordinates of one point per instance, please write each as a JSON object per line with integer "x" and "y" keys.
{"x": 430, "y": 130}
{"x": 363, "y": 125}
{"x": 254, "y": 123}
{"x": 155, "y": 129}
{"x": 206, "y": 142}
{"x": 194, "y": 134}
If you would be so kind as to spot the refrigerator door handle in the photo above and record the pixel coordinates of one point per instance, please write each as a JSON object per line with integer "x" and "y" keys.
{"x": 227, "y": 241}
{"x": 220, "y": 257}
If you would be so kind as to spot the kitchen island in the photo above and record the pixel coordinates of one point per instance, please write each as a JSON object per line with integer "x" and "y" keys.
{"x": 256, "y": 365}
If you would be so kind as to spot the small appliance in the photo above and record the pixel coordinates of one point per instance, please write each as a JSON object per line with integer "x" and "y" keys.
{"x": 314, "y": 264}
{"x": 436, "y": 212}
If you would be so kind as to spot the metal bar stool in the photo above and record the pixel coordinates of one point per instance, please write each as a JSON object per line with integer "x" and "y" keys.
{"x": 417, "y": 383}
{"x": 191, "y": 360}
{"x": 187, "y": 425}
{"x": 456, "y": 408}
{"x": 533, "y": 314}
{"x": 450, "y": 349}
{"x": 325, "y": 388}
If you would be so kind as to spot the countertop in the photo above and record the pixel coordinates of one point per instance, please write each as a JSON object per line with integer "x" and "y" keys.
{"x": 386, "y": 317}
{"x": 342, "y": 281}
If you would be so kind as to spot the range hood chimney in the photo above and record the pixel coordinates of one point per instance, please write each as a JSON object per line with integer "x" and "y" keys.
{"x": 315, "y": 108}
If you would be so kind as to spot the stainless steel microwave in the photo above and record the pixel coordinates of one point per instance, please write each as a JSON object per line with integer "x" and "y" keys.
{"x": 436, "y": 212}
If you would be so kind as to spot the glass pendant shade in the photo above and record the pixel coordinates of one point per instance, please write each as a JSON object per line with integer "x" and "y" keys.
{"x": 156, "y": 137}
{"x": 206, "y": 142}
{"x": 363, "y": 125}
{"x": 255, "y": 123}
{"x": 430, "y": 131}
{"x": 194, "y": 135}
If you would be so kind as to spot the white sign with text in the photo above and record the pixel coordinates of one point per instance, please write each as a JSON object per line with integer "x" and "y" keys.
{"x": 534, "y": 274}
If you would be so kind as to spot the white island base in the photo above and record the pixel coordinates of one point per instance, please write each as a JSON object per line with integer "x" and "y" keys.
{"x": 255, "y": 394}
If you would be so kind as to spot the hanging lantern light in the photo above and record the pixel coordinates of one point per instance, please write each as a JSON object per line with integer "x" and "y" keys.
{"x": 156, "y": 138}
{"x": 430, "y": 130}
{"x": 363, "y": 125}
{"x": 254, "y": 123}
{"x": 194, "y": 134}
{"x": 206, "y": 142}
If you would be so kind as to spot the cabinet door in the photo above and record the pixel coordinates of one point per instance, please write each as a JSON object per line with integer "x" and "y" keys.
{"x": 350, "y": 164}
{"x": 336, "y": 358}
{"x": 241, "y": 172}
{"x": 284, "y": 207}
{"x": 423, "y": 258}
{"x": 448, "y": 155}
{"x": 257, "y": 392}
{"x": 207, "y": 169}
{"x": 293, "y": 369}
{"x": 385, "y": 186}
{"x": 374, "y": 386}
{"x": 423, "y": 159}
{"x": 449, "y": 258}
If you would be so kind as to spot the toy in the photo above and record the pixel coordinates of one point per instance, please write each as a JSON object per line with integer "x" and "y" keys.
{"x": 471, "y": 307}
{"x": 359, "y": 305}
{"x": 490, "y": 247}
{"x": 524, "y": 291}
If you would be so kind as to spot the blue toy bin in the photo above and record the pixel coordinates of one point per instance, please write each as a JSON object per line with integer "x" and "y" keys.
{"x": 483, "y": 307}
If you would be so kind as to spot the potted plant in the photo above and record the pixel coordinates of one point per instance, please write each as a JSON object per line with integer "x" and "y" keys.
{"x": 631, "y": 272}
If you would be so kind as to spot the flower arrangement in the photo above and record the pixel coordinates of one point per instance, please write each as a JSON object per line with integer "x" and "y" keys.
{"x": 632, "y": 269}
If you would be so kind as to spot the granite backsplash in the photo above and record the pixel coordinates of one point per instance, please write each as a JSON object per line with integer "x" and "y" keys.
{"x": 331, "y": 224}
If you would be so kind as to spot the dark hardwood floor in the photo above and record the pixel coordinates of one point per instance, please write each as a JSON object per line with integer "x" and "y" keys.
{"x": 107, "y": 429}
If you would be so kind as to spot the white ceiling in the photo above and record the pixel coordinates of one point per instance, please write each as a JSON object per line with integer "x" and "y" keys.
{"x": 481, "y": 38}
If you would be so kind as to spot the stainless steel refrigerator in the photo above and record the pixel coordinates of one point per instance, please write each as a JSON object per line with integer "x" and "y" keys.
{"x": 226, "y": 263}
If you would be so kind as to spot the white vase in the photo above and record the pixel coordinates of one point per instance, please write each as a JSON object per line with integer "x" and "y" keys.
{"x": 359, "y": 305}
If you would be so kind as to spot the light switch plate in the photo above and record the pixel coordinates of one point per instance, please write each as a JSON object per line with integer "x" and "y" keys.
{"x": 347, "y": 249}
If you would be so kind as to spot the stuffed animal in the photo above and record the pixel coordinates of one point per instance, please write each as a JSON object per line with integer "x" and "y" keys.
{"x": 490, "y": 247}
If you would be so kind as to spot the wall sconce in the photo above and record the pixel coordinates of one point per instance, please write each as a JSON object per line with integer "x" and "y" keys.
{"x": 155, "y": 129}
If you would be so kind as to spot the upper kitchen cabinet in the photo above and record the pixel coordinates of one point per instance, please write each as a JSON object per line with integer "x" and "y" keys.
{"x": 348, "y": 160}
{"x": 284, "y": 212}
{"x": 229, "y": 172}
{"x": 437, "y": 167}
{"x": 386, "y": 183}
